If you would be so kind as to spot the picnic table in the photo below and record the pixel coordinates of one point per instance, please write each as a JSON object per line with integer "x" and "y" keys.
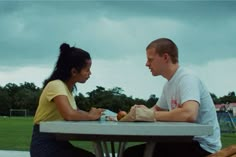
{"x": 101, "y": 132}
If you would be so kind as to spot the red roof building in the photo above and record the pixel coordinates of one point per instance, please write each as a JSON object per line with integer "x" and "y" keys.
{"x": 226, "y": 107}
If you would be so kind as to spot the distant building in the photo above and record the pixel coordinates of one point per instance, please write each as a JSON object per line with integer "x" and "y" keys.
{"x": 226, "y": 107}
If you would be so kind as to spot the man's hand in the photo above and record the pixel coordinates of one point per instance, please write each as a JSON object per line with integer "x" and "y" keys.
{"x": 139, "y": 113}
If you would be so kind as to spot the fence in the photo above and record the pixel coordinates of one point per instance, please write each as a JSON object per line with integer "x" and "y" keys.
{"x": 227, "y": 122}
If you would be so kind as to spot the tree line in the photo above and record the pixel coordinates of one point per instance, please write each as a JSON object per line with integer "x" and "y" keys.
{"x": 26, "y": 96}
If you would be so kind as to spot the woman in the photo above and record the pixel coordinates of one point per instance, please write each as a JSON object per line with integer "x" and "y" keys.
{"x": 57, "y": 103}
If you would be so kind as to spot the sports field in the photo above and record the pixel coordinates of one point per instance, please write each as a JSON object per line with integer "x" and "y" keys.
{"x": 15, "y": 134}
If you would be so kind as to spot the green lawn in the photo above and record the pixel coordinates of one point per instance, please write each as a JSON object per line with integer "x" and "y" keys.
{"x": 15, "y": 134}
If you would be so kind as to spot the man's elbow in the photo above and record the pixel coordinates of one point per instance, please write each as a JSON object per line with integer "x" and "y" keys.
{"x": 191, "y": 119}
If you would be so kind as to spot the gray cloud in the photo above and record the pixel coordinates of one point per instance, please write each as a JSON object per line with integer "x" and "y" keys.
{"x": 32, "y": 31}
{"x": 116, "y": 34}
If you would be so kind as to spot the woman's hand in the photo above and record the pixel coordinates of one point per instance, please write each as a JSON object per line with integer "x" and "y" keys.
{"x": 95, "y": 113}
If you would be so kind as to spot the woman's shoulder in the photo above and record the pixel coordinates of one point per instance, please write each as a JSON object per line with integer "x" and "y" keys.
{"x": 55, "y": 86}
{"x": 55, "y": 83}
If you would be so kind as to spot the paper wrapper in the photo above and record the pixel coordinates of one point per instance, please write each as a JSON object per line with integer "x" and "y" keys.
{"x": 139, "y": 114}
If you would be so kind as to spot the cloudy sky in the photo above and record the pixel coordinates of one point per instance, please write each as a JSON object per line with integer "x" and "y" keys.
{"x": 116, "y": 34}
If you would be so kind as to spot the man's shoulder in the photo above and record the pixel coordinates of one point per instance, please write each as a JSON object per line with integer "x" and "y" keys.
{"x": 185, "y": 72}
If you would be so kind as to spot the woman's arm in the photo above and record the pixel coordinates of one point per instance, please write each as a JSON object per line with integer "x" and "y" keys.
{"x": 68, "y": 113}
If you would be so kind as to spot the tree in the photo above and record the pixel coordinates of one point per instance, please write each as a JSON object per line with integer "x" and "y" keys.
{"x": 214, "y": 98}
{"x": 112, "y": 99}
{"x": 12, "y": 89}
{"x": 26, "y": 96}
{"x": 5, "y": 101}
{"x": 228, "y": 98}
{"x": 83, "y": 102}
{"x": 152, "y": 100}
{"x": 231, "y": 94}
{"x": 30, "y": 86}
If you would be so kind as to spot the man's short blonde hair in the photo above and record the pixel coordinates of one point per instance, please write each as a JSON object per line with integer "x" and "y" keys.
{"x": 165, "y": 45}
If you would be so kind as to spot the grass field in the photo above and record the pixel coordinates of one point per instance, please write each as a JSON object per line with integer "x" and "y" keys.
{"x": 15, "y": 134}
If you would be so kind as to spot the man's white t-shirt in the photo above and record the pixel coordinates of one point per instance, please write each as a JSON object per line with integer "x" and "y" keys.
{"x": 185, "y": 86}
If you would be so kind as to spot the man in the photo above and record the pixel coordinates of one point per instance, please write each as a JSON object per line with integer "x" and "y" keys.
{"x": 184, "y": 99}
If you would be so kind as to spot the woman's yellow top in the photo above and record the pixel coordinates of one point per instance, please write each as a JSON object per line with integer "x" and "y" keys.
{"x": 47, "y": 110}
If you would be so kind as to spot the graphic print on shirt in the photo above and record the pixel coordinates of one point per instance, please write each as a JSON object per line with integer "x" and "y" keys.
{"x": 174, "y": 103}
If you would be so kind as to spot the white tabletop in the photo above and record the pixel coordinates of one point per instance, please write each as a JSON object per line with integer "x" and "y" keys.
{"x": 126, "y": 128}
{"x": 149, "y": 132}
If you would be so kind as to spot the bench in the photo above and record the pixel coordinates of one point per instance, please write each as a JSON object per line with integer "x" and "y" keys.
{"x": 229, "y": 151}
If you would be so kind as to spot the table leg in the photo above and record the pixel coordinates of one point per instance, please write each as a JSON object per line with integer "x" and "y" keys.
{"x": 121, "y": 149}
{"x": 106, "y": 149}
{"x": 101, "y": 149}
{"x": 98, "y": 149}
{"x": 113, "y": 149}
{"x": 148, "y": 152}
{"x": 113, "y": 153}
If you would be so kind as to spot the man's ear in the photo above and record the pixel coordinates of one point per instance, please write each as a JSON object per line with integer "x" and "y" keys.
{"x": 166, "y": 56}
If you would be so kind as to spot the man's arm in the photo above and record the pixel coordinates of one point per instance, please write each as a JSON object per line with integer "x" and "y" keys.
{"x": 187, "y": 113}
{"x": 154, "y": 108}
{"x": 157, "y": 108}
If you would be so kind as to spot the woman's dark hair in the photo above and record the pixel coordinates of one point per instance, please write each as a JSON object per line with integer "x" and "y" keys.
{"x": 69, "y": 57}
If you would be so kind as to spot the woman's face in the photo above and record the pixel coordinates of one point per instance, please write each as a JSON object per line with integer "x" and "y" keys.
{"x": 85, "y": 72}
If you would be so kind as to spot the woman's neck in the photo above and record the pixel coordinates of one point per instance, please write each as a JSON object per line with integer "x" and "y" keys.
{"x": 70, "y": 85}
